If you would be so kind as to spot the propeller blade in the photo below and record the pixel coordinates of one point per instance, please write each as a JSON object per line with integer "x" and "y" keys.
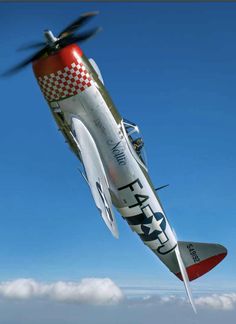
{"x": 79, "y": 38}
{"x": 23, "y": 64}
{"x": 54, "y": 44}
{"x": 78, "y": 23}
{"x": 31, "y": 45}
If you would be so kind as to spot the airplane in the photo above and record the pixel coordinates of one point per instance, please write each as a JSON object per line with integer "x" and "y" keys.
{"x": 110, "y": 149}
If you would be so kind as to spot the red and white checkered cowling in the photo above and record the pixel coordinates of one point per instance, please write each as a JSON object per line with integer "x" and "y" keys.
{"x": 63, "y": 74}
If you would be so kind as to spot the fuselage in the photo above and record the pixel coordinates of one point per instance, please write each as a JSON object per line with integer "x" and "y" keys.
{"x": 73, "y": 89}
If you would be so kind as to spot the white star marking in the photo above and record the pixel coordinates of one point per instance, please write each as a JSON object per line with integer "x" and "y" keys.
{"x": 154, "y": 225}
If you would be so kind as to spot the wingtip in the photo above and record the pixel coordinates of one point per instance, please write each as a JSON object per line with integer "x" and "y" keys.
{"x": 115, "y": 232}
{"x": 116, "y": 236}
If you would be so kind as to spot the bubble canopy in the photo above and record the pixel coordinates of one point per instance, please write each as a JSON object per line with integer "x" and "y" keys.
{"x": 135, "y": 138}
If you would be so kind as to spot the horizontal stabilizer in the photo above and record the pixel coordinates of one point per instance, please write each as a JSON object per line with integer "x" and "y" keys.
{"x": 199, "y": 258}
{"x": 191, "y": 260}
{"x": 184, "y": 275}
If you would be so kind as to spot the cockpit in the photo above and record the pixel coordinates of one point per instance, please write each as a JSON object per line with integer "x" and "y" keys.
{"x": 135, "y": 138}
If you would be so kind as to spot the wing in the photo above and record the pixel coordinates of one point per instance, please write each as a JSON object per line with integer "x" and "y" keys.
{"x": 95, "y": 173}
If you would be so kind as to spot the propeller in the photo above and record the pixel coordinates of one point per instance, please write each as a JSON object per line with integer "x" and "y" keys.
{"x": 78, "y": 23}
{"x": 66, "y": 37}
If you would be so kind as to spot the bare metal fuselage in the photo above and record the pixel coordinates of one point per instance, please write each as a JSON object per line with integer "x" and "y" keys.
{"x": 114, "y": 169}
{"x": 130, "y": 187}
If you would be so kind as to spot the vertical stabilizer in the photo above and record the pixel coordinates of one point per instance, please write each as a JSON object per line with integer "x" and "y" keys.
{"x": 200, "y": 258}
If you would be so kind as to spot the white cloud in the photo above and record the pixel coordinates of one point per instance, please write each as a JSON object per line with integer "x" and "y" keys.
{"x": 218, "y": 301}
{"x": 103, "y": 291}
{"x": 97, "y": 291}
{"x": 225, "y": 301}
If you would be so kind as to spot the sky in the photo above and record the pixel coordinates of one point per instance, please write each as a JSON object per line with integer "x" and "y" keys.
{"x": 170, "y": 68}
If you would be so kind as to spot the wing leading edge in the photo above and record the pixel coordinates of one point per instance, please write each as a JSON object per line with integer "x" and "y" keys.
{"x": 95, "y": 173}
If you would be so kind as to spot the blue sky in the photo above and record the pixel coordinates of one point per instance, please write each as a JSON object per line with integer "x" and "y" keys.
{"x": 171, "y": 68}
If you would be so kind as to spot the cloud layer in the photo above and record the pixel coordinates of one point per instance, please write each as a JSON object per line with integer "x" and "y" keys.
{"x": 223, "y": 302}
{"x": 94, "y": 291}
{"x": 215, "y": 301}
{"x": 103, "y": 291}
